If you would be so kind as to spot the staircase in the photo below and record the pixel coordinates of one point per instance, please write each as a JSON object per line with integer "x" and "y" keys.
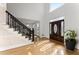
{"x": 14, "y": 33}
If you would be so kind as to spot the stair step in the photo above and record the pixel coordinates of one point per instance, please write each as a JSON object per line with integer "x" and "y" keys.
{"x": 10, "y": 39}
{"x": 14, "y": 45}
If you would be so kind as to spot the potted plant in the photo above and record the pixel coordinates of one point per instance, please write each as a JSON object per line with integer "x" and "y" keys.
{"x": 70, "y": 39}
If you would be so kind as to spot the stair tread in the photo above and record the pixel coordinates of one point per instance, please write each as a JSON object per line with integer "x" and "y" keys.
{"x": 10, "y": 38}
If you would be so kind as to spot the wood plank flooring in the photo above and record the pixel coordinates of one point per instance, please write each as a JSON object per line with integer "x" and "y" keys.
{"x": 42, "y": 47}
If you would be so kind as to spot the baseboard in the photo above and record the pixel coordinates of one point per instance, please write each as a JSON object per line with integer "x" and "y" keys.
{"x": 77, "y": 48}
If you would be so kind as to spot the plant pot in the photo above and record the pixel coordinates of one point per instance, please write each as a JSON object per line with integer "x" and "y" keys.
{"x": 70, "y": 44}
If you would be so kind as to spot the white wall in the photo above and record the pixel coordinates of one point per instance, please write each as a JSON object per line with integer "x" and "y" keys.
{"x": 40, "y": 12}
{"x": 44, "y": 23}
{"x": 2, "y": 13}
{"x": 33, "y": 11}
{"x": 72, "y": 18}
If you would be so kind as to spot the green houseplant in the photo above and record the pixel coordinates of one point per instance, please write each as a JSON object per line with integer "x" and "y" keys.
{"x": 70, "y": 38}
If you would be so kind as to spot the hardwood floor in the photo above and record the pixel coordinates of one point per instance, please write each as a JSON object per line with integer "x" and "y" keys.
{"x": 42, "y": 47}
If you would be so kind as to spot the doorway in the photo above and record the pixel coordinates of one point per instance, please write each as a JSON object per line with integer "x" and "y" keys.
{"x": 57, "y": 30}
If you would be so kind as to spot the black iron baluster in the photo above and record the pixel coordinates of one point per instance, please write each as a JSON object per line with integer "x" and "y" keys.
{"x": 22, "y": 30}
{"x": 18, "y": 26}
{"x": 26, "y": 33}
{"x": 11, "y": 21}
{"x": 32, "y": 34}
{"x": 15, "y": 26}
{"x": 8, "y": 19}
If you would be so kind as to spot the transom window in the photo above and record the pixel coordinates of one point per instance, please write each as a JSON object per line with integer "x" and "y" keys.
{"x": 53, "y": 6}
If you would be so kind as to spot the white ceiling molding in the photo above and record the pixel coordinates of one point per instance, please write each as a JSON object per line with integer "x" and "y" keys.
{"x": 60, "y": 18}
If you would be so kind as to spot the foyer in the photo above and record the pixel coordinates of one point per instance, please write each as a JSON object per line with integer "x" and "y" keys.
{"x": 31, "y": 29}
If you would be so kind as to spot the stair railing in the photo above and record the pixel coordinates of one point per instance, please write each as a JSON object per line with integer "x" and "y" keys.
{"x": 13, "y": 22}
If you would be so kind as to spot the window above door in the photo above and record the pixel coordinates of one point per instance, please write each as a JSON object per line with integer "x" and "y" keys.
{"x": 53, "y": 6}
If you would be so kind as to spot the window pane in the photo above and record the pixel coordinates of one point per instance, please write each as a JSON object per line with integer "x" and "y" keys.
{"x": 62, "y": 29}
{"x": 54, "y": 6}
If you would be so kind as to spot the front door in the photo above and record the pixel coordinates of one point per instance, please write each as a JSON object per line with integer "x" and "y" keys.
{"x": 57, "y": 30}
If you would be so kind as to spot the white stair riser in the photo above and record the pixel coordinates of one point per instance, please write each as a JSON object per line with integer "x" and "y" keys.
{"x": 11, "y": 39}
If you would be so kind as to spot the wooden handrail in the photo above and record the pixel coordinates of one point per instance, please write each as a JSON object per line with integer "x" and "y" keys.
{"x": 17, "y": 20}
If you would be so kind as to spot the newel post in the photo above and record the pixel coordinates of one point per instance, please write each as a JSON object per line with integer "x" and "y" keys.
{"x": 32, "y": 34}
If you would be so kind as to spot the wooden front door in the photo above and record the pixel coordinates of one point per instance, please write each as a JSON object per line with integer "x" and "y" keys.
{"x": 57, "y": 30}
